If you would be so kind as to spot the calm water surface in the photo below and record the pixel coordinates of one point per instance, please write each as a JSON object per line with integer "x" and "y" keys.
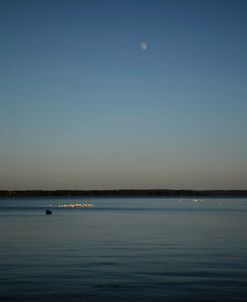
{"x": 125, "y": 249}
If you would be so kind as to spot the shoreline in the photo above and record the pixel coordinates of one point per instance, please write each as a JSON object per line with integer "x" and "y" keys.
{"x": 124, "y": 193}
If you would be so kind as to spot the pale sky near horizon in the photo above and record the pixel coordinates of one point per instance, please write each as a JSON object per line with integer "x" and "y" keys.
{"x": 123, "y": 94}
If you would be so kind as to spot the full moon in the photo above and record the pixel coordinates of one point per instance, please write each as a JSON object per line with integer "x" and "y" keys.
{"x": 144, "y": 45}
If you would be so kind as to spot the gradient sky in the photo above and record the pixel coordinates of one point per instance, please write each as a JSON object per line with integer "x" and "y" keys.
{"x": 84, "y": 106}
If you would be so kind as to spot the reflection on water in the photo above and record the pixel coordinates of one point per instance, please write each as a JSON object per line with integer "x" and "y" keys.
{"x": 123, "y": 249}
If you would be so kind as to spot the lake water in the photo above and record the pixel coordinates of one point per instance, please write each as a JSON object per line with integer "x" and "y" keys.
{"x": 125, "y": 249}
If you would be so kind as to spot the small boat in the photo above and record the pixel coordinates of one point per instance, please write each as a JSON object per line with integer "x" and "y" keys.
{"x": 48, "y": 212}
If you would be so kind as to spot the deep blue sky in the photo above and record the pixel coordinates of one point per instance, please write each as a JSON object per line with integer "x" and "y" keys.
{"x": 84, "y": 107}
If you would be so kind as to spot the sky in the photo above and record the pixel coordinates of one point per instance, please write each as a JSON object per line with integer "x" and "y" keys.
{"x": 123, "y": 94}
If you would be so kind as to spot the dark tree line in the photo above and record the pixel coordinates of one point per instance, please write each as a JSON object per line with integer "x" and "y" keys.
{"x": 156, "y": 192}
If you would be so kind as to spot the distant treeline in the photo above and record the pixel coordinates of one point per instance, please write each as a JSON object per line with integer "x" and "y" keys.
{"x": 156, "y": 192}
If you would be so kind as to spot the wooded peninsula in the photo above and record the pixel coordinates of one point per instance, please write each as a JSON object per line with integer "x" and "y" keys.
{"x": 125, "y": 193}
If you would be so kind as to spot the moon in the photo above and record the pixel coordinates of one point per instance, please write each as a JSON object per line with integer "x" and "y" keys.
{"x": 144, "y": 45}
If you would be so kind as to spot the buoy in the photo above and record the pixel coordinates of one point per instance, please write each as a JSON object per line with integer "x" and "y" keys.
{"x": 48, "y": 212}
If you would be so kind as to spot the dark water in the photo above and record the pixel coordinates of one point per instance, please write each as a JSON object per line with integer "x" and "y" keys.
{"x": 130, "y": 249}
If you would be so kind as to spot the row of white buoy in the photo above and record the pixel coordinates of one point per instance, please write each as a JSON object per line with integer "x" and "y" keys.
{"x": 76, "y": 205}
{"x": 193, "y": 200}
{"x": 196, "y": 200}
